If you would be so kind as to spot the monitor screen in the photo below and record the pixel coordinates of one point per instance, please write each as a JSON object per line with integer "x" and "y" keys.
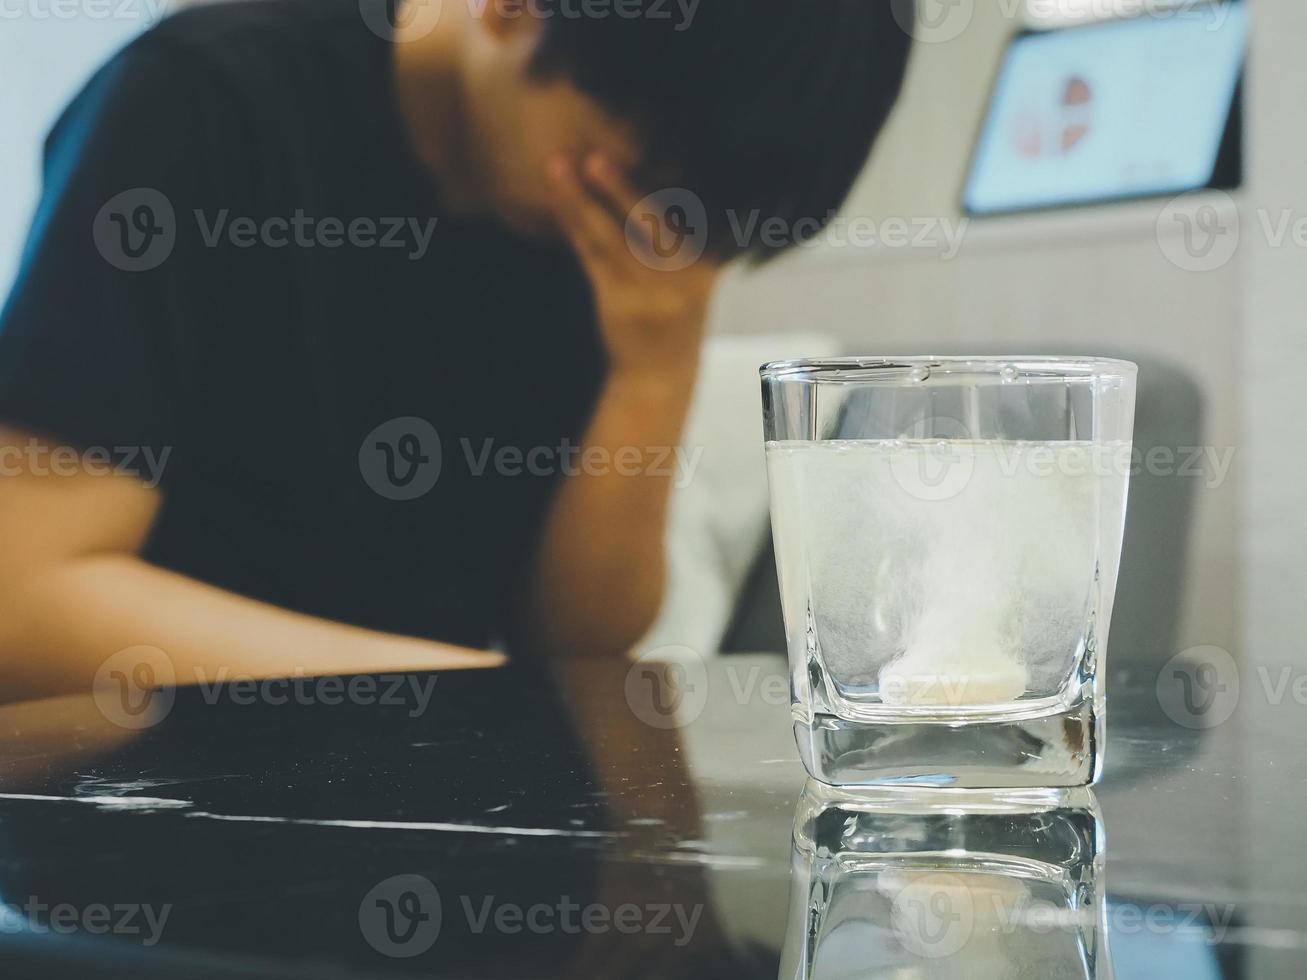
{"x": 1127, "y": 108}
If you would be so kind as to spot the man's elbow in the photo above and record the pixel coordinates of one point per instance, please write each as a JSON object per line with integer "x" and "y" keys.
{"x": 607, "y": 625}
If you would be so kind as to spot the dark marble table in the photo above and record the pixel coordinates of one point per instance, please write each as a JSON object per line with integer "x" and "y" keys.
{"x": 527, "y": 822}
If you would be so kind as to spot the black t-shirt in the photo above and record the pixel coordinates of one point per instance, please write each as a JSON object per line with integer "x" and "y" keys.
{"x": 238, "y": 261}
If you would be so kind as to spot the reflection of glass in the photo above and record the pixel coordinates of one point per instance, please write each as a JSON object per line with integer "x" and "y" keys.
{"x": 942, "y": 884}
{"x": 947, "y": 535}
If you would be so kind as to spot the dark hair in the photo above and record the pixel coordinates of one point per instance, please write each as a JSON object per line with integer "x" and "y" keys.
{"x": 764, "y": 108}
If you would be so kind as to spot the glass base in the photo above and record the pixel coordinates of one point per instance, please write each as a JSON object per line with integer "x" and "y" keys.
{"x": 1059, "y": 749}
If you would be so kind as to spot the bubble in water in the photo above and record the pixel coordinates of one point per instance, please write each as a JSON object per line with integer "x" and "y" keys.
{"x": 919, "y": 374}
{"x": 1008, "y": 373}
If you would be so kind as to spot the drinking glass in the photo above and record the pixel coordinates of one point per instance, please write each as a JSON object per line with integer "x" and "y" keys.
{"x": 948, "y": 534}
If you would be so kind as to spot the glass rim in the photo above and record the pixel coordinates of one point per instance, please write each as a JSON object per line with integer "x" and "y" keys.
{"x": 1029, "y": 367}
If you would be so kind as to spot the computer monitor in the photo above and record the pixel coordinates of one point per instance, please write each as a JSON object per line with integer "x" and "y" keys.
{"x": 1142, "y": 107}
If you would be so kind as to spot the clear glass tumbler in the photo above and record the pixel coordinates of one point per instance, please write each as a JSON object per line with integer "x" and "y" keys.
{"x": 948, "y": 534}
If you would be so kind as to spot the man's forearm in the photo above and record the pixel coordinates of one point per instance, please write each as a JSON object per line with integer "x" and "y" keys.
{"x": 599, "y": 574}
{"x": 67, "y": 618}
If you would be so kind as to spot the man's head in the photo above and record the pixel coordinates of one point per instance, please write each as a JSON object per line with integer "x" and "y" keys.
{"x": 764, "y": 109}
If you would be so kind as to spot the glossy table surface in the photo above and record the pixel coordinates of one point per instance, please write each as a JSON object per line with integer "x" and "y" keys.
{"x": 565, "y": 822}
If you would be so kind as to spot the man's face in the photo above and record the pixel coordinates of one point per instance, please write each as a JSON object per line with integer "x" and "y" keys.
{"x": 519, "y": 123}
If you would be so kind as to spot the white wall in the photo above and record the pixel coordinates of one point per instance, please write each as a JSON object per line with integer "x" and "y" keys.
{"x": 1085, "y": 281}
{"x": 1273, "y": 524}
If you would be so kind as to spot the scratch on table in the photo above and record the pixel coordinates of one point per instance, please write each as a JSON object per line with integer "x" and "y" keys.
{"x": 109, "y": 802}
{"x": 154, "y": 803}
{"x": 451, "y": 828}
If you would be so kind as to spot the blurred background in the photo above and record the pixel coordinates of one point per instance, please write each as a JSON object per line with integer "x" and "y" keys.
{"x": 1203, "y": 288}
{"x": 908, "y": 272}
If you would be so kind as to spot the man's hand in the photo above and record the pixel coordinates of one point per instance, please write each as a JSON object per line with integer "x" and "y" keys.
{"x": 599, "y": 574}
{"x": 652, "y": 320}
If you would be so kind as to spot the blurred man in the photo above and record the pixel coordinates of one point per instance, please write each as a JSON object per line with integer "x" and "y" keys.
{"x": 334, "y": 348}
